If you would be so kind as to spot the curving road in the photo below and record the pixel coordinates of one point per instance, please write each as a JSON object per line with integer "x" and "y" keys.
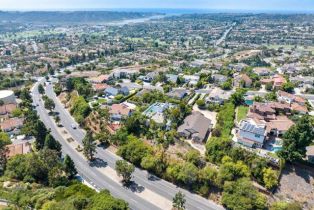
{"x": 160, "y": 187}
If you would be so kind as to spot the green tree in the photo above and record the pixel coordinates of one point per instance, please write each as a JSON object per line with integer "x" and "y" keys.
{"x": 178, "y": 202}
{"x": 89, "y": 146}
{"x": 51, "y": 143}
{"x": 241, "y": 195}
{"x": 288, "y": 87}
{"x": 237, "y": 98}
{"x": 57, "y": 177}
{"x": 4, "y": 141}
{"x": 69, "y": 167}
{"x": 41, "y": 89}
{"x": 124, "y": 169}
{"x": 200, "y": 103}
{"x": 270, "y": 178}
{"x": 49, "y": 104}
{"x": 282, "y": 205}
{"x": 231, "y": 171}
{"x": 296, "y": 139}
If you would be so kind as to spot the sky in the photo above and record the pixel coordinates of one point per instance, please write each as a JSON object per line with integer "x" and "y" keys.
{"x": 277, "y": 5}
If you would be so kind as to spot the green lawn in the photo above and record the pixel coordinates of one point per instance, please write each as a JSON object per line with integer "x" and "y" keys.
{"x": 242, "y": 112}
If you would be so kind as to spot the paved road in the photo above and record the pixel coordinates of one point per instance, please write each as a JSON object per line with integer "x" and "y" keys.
{"x": 225, "y": 34}
{"x": 158, "y": 186}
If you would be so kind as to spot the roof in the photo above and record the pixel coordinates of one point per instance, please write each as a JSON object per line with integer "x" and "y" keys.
{"x": 100, "y": 86}
{"x": 18, "y": 149}
{"x": 112, "y": 90}
{"x": 295, "y": 98}
{"x": 196, "y": 123}
{"x": 100, "y": 78}
{"x": 282, "y": 123}
{"x": 177, "y": 93}
{"x": 299, "y": 108}
{"x": 119, "y": 109}
{"x": 7, "y": 108}
{"x": 251, "y": 127}
{"x": 246, "y": 78}
{"x": 11, "y": 124}
{"x": 6, "y": 93}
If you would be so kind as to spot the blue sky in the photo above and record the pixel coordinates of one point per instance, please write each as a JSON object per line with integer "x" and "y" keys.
{"x": 295, "y": 5}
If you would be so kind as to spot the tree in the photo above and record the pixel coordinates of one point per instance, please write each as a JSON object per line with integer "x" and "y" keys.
{"x": 231, "y": 171}
{"x": 241, "y": 195}
{"x": 200, "y": 103}
{"x": 237, "y": 98}
{"x": 226, "y": 85}
{"x": 57, "y": 119}
{"x": 178, "y": 202}
{"x": 49, "y": 104}
{"x": 89, "y": 146}
{"x": 124, "y": 169}
{"x": 51, "y": 143}
{"x": 288, "y": 87}
{"x": 296, "y": 139}
{"x": 69, "y": 167}
{"x": 270, "y": 178}
{"x": 282, "y": 205}
{"x": 41, "y": 89}
{"x": 269, "y": 86}
{"x": 4, "y": 141}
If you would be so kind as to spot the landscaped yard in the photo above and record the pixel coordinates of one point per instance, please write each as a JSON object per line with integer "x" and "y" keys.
{"x": 242, "y": 112}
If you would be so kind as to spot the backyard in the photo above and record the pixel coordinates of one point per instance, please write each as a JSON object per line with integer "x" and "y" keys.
{"x": 242, "y": 112}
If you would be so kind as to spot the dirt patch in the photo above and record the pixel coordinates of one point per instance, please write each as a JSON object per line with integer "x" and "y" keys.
{"x": 297, "y": 184}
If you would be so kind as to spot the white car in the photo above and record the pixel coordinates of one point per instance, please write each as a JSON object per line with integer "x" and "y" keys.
{"x": 73, "y": 126}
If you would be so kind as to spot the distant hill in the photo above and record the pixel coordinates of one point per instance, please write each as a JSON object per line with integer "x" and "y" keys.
{"x": 69, "y": 17}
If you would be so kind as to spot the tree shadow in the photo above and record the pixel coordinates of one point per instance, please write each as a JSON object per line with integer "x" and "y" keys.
{"x": 134, "y": 187}
{"x": 98, "y": 163}
{"x": 303, "y": 171}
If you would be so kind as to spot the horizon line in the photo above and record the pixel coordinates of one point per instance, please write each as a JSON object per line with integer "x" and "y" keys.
{"x": 213, "y": 10}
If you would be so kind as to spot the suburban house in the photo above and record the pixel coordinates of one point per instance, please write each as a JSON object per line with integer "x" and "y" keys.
{"x": 149, "y": 77}
{"x": 156, "y": 111}
{"x": 290, "y": 98}
{"x": 242, "y": 80}
{"x": 20, "y": 148}
{"x": 12, "y": 125}
{"x": 99, "y": 87}
{"x": 119, "y": 111}
{"x": 196, "y": 127}
{"x": 219, "y": 79}
{"x": 279, "y": 126}
{"x": 237, "y": 67}
{"x": 100, "y": 79}
{"x": 261, "y": 71}
{"x": 191, "y": 79}
{"x": 297, "y": 103}
{"x": 172, "y": 78}
{"x": 251, "y": 134}
{"x": 7, "y": 109}
{"x": 111, "y": 91}
{"x": 277, "y": 81}
{"x": 178, "y": 93}
{"x": 218, "y": 96}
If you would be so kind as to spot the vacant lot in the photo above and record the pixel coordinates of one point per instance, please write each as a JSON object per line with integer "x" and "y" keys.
{"x": 297, "y": 183}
